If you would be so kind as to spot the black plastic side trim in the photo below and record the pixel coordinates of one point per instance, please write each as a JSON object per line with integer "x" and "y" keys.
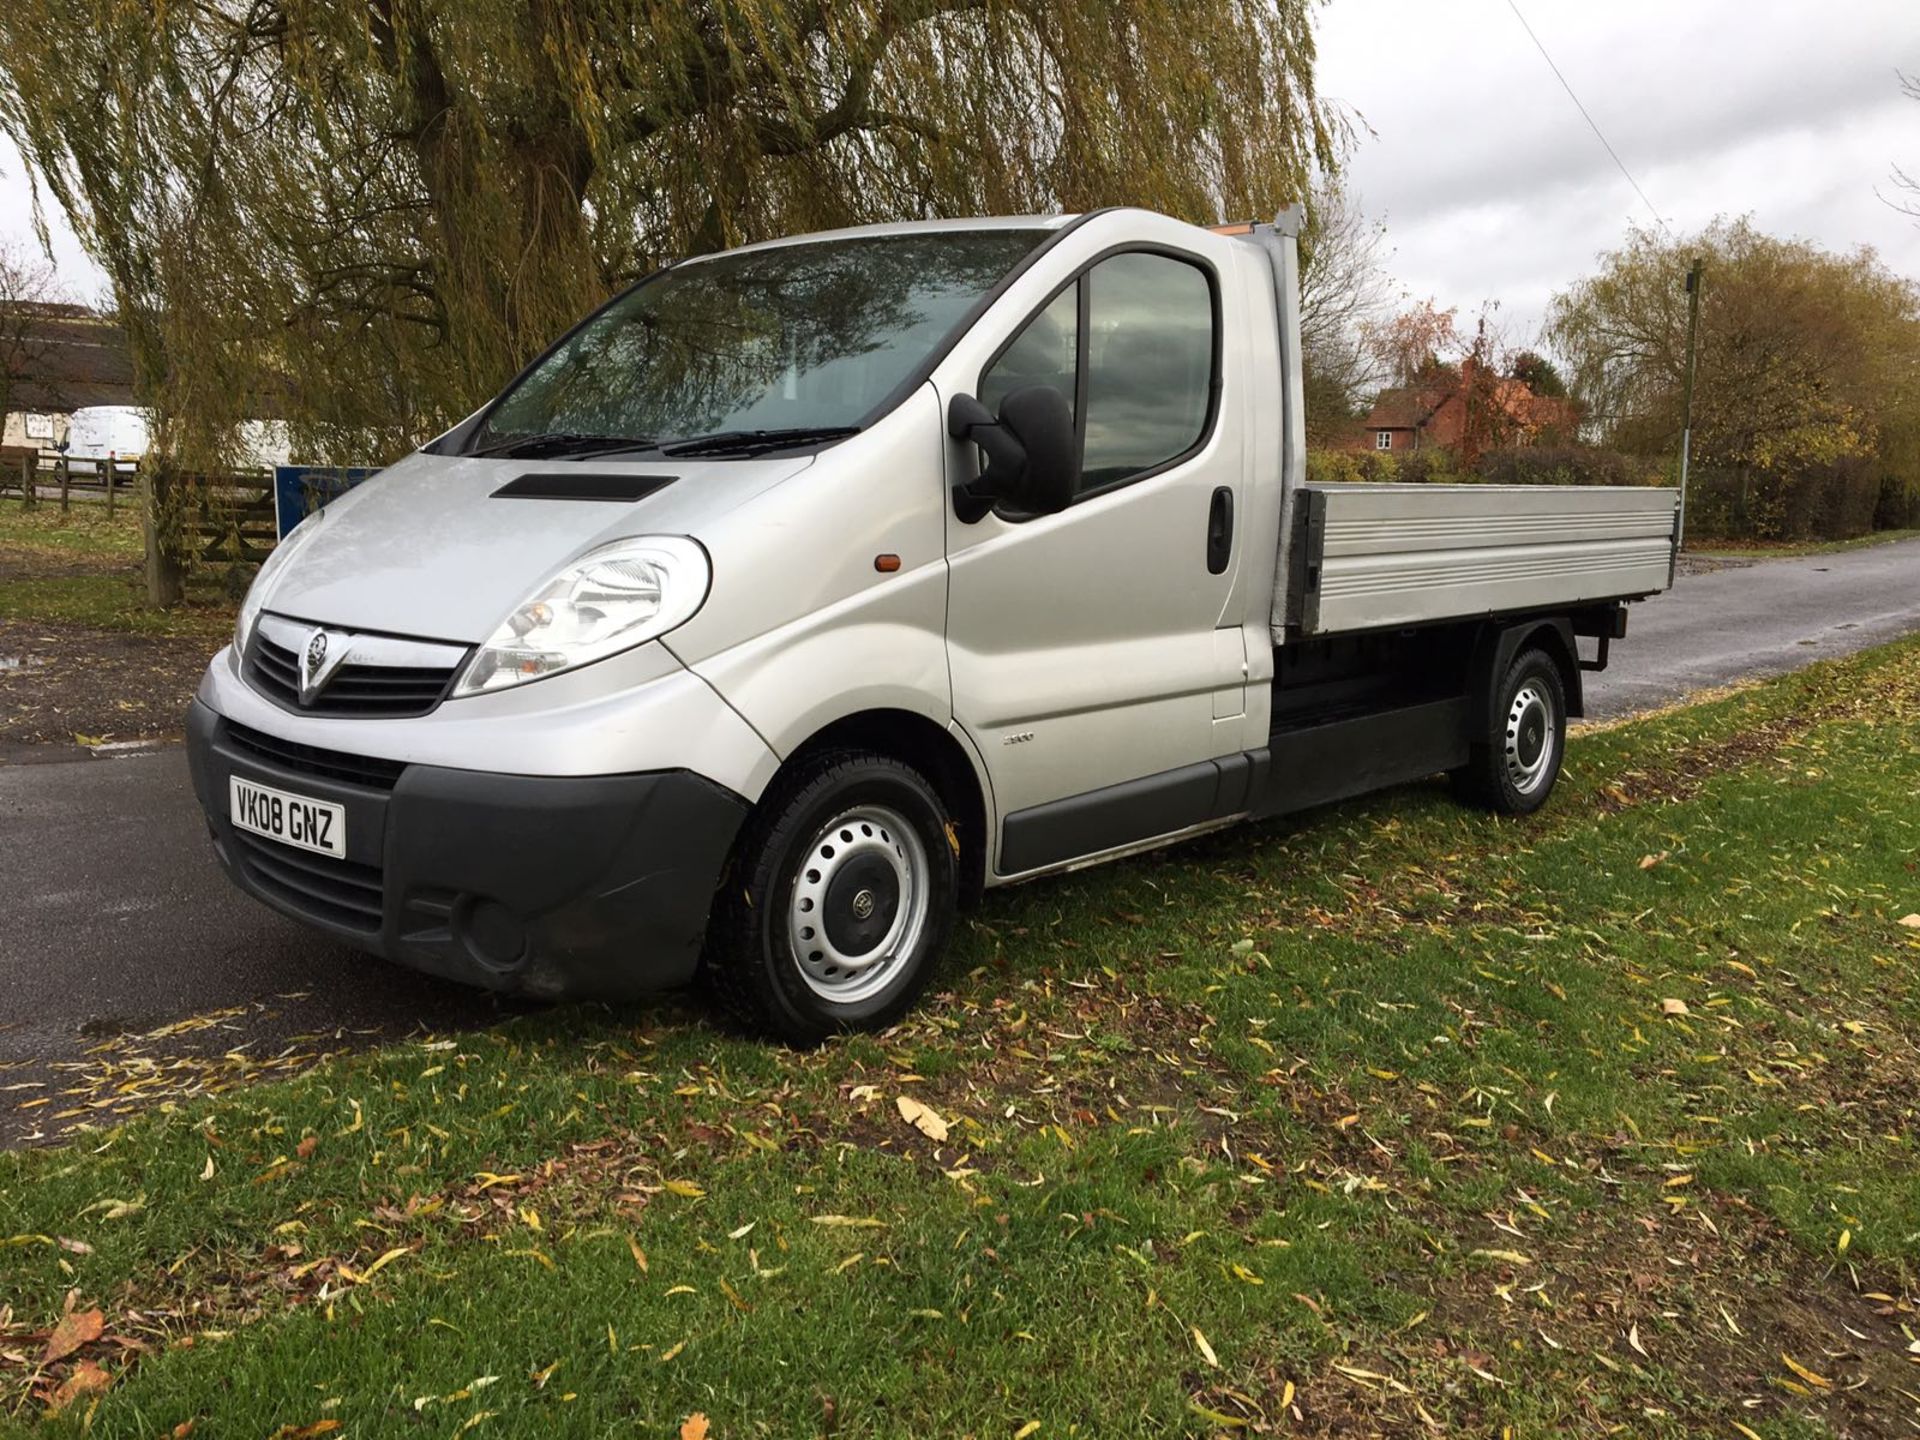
{"x": 1319, "y": 764}
{"x": 1124, "y": 814}
{"x": 574, "y": 486}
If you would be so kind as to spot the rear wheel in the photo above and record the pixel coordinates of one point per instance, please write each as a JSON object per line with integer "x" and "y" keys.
{"x": 1514, "y": 764}
{"x": 839, "y": 900}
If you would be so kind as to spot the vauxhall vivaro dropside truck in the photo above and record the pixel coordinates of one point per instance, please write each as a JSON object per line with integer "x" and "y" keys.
{"x": 806, "y": 590}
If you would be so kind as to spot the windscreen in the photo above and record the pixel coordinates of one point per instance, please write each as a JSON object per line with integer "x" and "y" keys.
{"x": 793, "y": 338}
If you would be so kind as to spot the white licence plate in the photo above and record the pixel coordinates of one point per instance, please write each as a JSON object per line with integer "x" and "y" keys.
{"x": 291, "y": 819}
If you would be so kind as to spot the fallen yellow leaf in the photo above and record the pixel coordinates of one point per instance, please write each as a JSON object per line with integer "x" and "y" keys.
{"x": 1206, "y": 1350}
{"x": 1805, "y": 1374}
{"x": 382, "y": 1263}
{"x": 921, "y": 1117}
{"x": 1506, "y": 1257}
{"x": 694, "y": 1427}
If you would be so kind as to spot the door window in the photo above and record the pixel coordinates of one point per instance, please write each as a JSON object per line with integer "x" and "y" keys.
{"x": 1149, "y": 365}
{"x": 1136, "y": 363}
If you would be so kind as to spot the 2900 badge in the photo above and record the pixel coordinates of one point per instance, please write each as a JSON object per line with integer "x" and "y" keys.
{"x": 315, "y": 825}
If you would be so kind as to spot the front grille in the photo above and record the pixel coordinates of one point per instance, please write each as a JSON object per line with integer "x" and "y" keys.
{"x": 333, "y": 892}
{"x": 390, "y": 692}
{"x": 312, "y": 760}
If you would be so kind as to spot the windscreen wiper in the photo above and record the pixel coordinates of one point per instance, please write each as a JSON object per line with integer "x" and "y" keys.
{"x": 556, "y": 443}
{"x": 754, "y": 442}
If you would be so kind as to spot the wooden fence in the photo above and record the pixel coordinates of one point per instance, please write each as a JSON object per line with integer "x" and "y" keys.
{"x": 230, "y": 517}
{"x": 53, "y": 476}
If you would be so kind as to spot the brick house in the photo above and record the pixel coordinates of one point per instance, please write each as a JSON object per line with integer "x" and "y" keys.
{"x": 1416, "y": 417}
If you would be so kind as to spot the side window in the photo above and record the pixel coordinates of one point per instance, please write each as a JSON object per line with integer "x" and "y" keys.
{"x": 1150, "y": 355}
{"x": 1045, "y": 352}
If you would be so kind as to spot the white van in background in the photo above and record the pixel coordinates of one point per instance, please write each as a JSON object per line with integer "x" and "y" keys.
{"x": 120, "y": 433}
{"x": 108, "y": 432}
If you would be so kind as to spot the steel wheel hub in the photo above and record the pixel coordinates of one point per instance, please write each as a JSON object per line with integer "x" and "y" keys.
{"x": 860, "y": 903}
{"x": 1529, "y": 739}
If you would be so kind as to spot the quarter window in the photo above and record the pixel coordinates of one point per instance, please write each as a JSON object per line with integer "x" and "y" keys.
{"x": 1045, "y": 352}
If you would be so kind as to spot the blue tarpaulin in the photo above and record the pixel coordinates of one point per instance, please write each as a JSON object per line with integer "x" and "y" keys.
{"x": 299, "y": 490}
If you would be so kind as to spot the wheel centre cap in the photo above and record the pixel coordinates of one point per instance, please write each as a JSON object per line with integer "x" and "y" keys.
{"x": 860, "y": 905}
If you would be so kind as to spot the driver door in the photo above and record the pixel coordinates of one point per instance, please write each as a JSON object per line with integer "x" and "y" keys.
{"x": 1091, "y": 660}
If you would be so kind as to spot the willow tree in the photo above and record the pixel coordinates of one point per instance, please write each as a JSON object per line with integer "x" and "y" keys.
{"x": 367, "y": 214}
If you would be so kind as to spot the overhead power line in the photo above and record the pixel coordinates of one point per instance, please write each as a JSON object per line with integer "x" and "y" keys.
{"x": 1592, "y": 124}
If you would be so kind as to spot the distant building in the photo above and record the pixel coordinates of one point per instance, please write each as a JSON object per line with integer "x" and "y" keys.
{"x": 1419, "y": 417}
{"x": 67, "y": 358}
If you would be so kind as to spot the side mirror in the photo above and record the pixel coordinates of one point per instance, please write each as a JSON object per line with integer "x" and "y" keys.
{"x": 1033, "y": 456}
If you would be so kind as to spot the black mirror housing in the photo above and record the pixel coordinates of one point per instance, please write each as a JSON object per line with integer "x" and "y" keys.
{"x": 1041, "y": 419}
{"x": 1032, "y": 453}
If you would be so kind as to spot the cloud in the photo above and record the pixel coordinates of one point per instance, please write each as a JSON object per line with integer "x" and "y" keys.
{"x": 1493, "y": 186}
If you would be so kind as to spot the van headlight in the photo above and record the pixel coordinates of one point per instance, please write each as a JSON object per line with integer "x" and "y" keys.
{"x": 608, "y": 600}
{"x": 263, "y": 579}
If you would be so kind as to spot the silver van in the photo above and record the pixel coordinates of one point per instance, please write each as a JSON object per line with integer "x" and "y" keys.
{"x": 807, "y": 590}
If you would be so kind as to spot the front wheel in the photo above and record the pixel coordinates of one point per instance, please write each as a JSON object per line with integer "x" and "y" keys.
{"x": 1513, "y": 765}
{"x": 839, "y": 900}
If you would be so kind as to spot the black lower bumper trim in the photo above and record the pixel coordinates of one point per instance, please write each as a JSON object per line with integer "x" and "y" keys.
{"x": 545, "y": 886}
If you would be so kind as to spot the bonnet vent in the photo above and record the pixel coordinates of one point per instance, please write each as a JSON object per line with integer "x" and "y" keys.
{"x": 576, "y": 485}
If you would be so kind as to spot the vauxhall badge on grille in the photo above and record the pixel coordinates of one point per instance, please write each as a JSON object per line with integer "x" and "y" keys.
{"x": 325, "y": 653}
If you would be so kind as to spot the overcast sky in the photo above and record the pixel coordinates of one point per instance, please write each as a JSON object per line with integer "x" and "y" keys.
{"x": 1492, "y": 186}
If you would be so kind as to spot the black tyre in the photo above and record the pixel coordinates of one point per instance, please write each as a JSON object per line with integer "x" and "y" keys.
{"x": 1515, "y": 762}
{"x": 838, "y": 902}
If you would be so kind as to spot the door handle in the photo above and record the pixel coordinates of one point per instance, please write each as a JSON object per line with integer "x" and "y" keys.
{"x": 1220, "y": 531}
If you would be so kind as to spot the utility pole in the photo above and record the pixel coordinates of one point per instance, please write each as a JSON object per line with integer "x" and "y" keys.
{"x": 1686, "y": 424}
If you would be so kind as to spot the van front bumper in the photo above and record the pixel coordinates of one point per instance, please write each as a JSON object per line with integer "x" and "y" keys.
{"x": 548, "y": 886}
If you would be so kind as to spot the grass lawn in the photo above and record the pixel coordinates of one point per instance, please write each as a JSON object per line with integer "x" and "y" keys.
{"x": 86, "y": 531}
{"x": 82, "y": 567}
{"x": 1393, "y": 1119}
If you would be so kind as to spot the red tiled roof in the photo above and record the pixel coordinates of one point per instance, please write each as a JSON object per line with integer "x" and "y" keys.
{"x": 1403, "y": 408}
